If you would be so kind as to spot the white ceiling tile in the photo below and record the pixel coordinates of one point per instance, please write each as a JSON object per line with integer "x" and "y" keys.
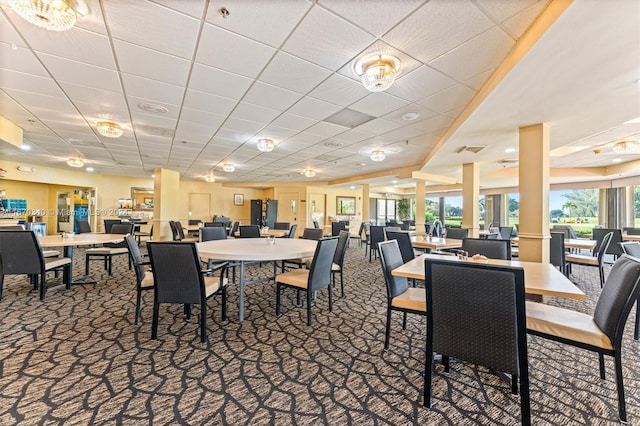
{"x": 314, "y": 108}
{"x": 91, "y": 17}
{"x": 201, "y": 117}
{"x": 193, "y": 8}
{"x": 428, "y": 33}
{"x": 292, "y": 121}
{"x": 31, "y": 101}
{"x": 257, "y": 18}
{"x": 88, "y": 94}
{"x": 453, "y": 97}
{"x": 519, "y": 23}
{"x": 208, "y": 102}
{"x": 339, "y": 90}
{"x": 196, "y": 132}
{"x": 434, "y": 123}
{"x": 94, "y": 111}
{"x": 401, "y": 134}
{"x": 423, "y": 82}
{"x": 271, "y": 96}
{"x": 233, "y": 134}
{"x": 377, "y": 126}
{"x": 81, "y": 73}
{"x": 293, "y": 73}
{"x": 423, "y": 113}
{"x": 251, "y": 112}
{"x": 7, "y": 33}
{"x": 277, "y": 133}
{"x": 501, "y": 10}
{"x": 328, "y": 47}
{"x": 29, "y": 83}
{"x": 244, "y": 125}
{"x": 135, "y": 102}
{"x": 218, "y": 82}
{"x": 232, "y": 52}
{"x": 352, "y": 136}
{"x": 478, "y": 81}
{"x": 153, "y": 26}
{"x": 21, "y": 60}
{"x": 144, "y": 62}
{"x": 464, "y": 62}
{"x": 152, "y": 89}
{"x": 326, "y": 130}
{"x": 378, "y": 104}
{"x": 139, "y": 117}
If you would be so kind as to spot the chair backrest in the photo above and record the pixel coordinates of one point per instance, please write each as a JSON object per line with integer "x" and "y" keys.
{"x": 404, "y": 226}
{"x": 108, "y": 223}
{"x": 336, "y": 227}
{"x": 281, "y": 225}
{"x": 320, "y": 269}
{"x": 404, "y": 243}
{"x": 390, "y": 259}
{"x": 136, "y": 257}
{"x": 493, "y": 249}
{"x": 12, "y": 228}
{"x": 249, "y": 231}
{"x": 312, "y": 234}
{"x": 178, "y": 230}
{"x": 436, "y": 229}
{"x": 316, "y": 224}
{"x": 476, "y": 313}
{"x": 212, "y": 224}
{"x": 82, "y": 225}
{"x": 361, "y": 229}
{"x": 176, "y": 272}
{"x": 193, "y": 221}
{"x": 21, "y": 253}
{"x": 556, "y": 250}
{"x": 567, "y": 229}
{"x": 618, "y": 296}
{"x": 505, "y": 232}
{"x": 616, "y": 238}
{"x": 632, "y": 248}
{"x": 601, "y": 250}
{"x": 212, "y": 233}
{"x": 234, "y": 228}
{"x": 376, "y": 235}
{"x": 428, "y": 229}
{"x": 391, "y": 223}
{"x": 174, "y": 232}
{"x": 123, "y": 229}
{"x": 457, "y": 233}
{"x": 292, "y": 231}
{"x": 341, "y": 249}
{"x": 631, "y": 231}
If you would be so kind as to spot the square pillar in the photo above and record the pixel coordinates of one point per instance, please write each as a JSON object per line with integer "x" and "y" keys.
{"x": 420, "y": 208}
{"x": 166, "y": 191}
{"x": 366, "y": 212}
{"x": 471, "y": 198}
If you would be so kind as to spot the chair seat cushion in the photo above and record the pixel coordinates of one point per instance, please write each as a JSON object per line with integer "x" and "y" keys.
{"x": 106, "y": 251}
{"x": 50, "y": 253}
{"x": 147, "y": 281}
{"x": 212, "y": 284}
{"x": 565, "y": 323}
{"x": 56, "y": 262}
{"x": 335, "y": 267}
{"x": 296, "y": 278}
{"x": 582, "y": 259}
{"x": 515, "y": 252}
{"x": 413, "y": 298}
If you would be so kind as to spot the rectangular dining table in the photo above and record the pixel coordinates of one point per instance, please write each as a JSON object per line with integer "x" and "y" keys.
{"x": 435, "y": 243}
{"x": 540, "y": 279}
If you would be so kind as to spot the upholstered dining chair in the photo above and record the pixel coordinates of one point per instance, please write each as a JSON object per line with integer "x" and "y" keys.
{"x": 404, "y": 243}
{"x": 108, "y": 223}
{"x": 505, "y": 232}
{"x": 631, "y": 230}
{"x": 336, "y": 227}
{"x": 179, "y": 278}
{"x": 281, "y": 225}
{"x": 82, "y": 225}
{"x": 179, "y": 233}
{"x": 376, "y": 235}
{"x": 595, "y": 260}
{"x": 614, "y": 245}
{"x": 493, "y": 249}
{"x": 144, "y": 276}
{"x": 317, "y": 277}
{"x": 602, "y": 332}
{"x": 292, "y": 231}
{"x": 337, "y": 267}
{"x": 249, "y": 231}
{"x": 308, "y": 234}
{"x": 316, "y": 224}
{"x": 456, "y": 233}
{"x": 632, "y": 248}
{"x": 312, "y": 234}
{"x": 20, "y": 253}
{"x": 557, "y": 251}
{"x": 476, "y": 313}
{"x": 400, "y": 297}
{"x": 212, "y": 233}
{"x": 108, "y": 251}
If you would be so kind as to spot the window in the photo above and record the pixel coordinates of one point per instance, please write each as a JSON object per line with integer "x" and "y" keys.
{"x": 386, "y": 210}
{"x": 577, "y": 207}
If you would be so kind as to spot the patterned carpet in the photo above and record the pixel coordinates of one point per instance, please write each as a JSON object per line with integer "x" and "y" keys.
{"x": 79, "y": 359}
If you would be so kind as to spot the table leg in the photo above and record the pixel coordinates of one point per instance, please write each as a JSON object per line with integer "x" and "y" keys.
{"x": 241, "y": 303}
{"x": 85, "y": 279}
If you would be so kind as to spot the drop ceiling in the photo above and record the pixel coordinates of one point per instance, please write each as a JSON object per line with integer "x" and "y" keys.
{"x": 282, "y": 69}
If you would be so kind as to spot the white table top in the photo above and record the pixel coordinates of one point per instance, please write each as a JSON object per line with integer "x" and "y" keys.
{"x": 269, "y": 233}
{"x": 79, "y": 239}
{"x": 258, "y": 249}
{"x": 541, "y": 279}
{"x": 435, "y": 242}
{"x": 577, "y": 243}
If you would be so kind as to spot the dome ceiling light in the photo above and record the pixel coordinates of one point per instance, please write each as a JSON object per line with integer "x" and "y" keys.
{"x": 228, "y": 167}
{"x": 377, "y": 72}
{"x": 109, "y": 129}
{"x": 52, "y": 15}
{"x": 624, "y": 147}
{"x": 378, "y": 155}
{"x": 265, "y": 145}
{"x": 75, "y": 162}
{"x": 309, "y": 173}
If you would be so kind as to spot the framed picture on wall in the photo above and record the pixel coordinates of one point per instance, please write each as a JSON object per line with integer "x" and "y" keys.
{"x": 346, "y": 205}
{"x": 238, "y": 199}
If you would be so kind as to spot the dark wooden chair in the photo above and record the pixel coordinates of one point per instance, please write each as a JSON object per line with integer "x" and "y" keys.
{"x": 144, "y": 276}
{"x": 249, "y": 231}
{"x": 596, "y": 259}
{"x": 493, "y": 249}
{"x": 337, "y": 267}
{"x": 108, "y": 251}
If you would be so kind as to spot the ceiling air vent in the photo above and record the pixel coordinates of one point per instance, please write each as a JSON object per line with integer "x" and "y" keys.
{"x": 508, "y": 161}
{"x": 474, "y": 149}
{"x": 348, "y": 118}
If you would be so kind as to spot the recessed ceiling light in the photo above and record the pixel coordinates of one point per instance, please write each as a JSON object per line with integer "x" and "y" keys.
{"x": 210, "y": 179}
{"x": 155, "y": 108}
{"x": 75, "y": 162}
{"x": 333, "y": 144}
{"x": 352, "y": 187}
{"x": 510, "y": 150}
{"x": 25, "y": 147}
{"x": 153, "y": 176}
{"x": 410, "y": 116}
{"x": 616, "y": 160}
{"x": 363, "y": 164}
{"x": 394, "y": 181}
{"x": 89, "y": 169}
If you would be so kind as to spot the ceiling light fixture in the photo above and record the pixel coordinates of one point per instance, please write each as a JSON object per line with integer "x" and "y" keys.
{"x": 89, "y": 169}
{"x": 210, "y": 179}
{"x": 410, "y": 116}
{"x": 377, "y": 72}
{"x": 265, "y": 145}
{"x": 109, "y": 129}
{"x": 309, "y": 173}
{"x": 377, "y": 155}
{"x": 75, "y": 162}
{"x": 228, "y": 167}
{"x": 52, "y": 15}
{"x": 624, "y": 146}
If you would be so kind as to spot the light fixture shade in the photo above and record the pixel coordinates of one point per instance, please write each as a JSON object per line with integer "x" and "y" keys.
{"x": 377, "y": 72}
{"x": 624, "y": 146}
{"x": 228, "y": 167}
{"x": 75, "y": 162}
{"x": 265, "y": 145}
{"x": 309, "y": 173}
{"x": 109, "y": 129}
{"x": 210, "y": 179}
{"x": 52, "y": 15}
{"x": 378, "y": 155}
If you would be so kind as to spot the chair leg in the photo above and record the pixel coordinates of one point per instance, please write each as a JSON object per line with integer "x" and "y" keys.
{"x": 428, "y": 373}
{"x": 109, "y": 260}
{"x": 43, "y": 285}
{"x": 1, "y": 284}
{"x": 387, "y": 333}
{"x": 601, "y": 276}
{"x": 636, "y": 330}
{"x": 138, "y": 300}
{"x": 445, "y": 362}
{"x": 154, "y": 324}
{"x": 622, "y": 409}
{"x": 66, "y": 276}
{"x": 87, "y": 259}
{"x": 203, "y": 321}
{"x": 514, "y": 384}
{"x": 224, "y": 303}
{"x": 601, "y": 363}
{"x": 342, "y": 282}
{"x": 404, "y": 320}
{"x": 277, "y": 299}
{"x": 187, "y": 310}
{"x": 308, "y": 307}
{"x": 330, "y": 299}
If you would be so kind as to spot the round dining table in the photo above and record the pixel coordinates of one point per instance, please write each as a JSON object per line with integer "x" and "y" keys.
{"x": 243, "y": 251}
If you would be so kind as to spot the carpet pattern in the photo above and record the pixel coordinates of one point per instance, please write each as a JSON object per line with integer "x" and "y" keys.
{"x": 78, "y": 358}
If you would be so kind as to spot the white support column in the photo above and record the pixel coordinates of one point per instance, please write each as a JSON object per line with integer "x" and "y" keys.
{"x": 420, "y": 210}
{"x": 470, "y": 198}
{"x": 166, "y": 207}
{"x": 365, "y": 203}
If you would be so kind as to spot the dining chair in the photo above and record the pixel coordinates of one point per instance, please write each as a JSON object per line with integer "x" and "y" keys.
{"x": 614, "y": 245}
{"x": 212, "y": 233}
{"x": 493, "y": 249}
{"x": 436, "y": 229}
{"x": 336, "y": 227}
{"x": 494, "y": 233}
{"x": 312, "y": 234}
{"x": 364, "y": 236}
{"x": 82, "y": 225}
{"x": 281, "y": 225}
{"x": 213, "y": 224}
{"x": 249, "y": 231}
{"x": 505, "y": 232}
{"x": 317, "y": 277}
{"x": 601, "y": 333}
{"x": 234, "y": 228}
{"x": 316, "y": 224}
{"x": 404, "y": 226}
{"x": 476, "y": 313}
{"x": 292, "y": 231}
{"x": 404, "y": 243}
{"x": 457, "y": 233}
{"x": 390, "y": 229}
{"x": 107, "y": 252}
{"x": 376, "y": 235}
{"x": 557, "y": 251}
{"x": 631, "y": 231}
{"x": 45, "y": 253}
{"x": 307, "y": 234}
{"x": 108, "y": 223}
{"x": 20, "y": 253}
{"x": 400, "y": 297}
{"x": 179, "y": 278}
{"x": 337, "y": 267}
{"x": 632, "y": 248}
{"x": 596, "y": 259}
{"x": 144, "y": 276}
{"x": 179, "y": 232}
